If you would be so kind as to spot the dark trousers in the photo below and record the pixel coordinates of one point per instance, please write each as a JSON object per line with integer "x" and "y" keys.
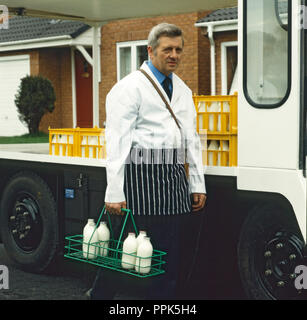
{"x": 178, "y": 236}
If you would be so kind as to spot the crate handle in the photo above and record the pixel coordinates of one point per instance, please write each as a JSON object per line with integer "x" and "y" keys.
{"x": 128, "y": 213}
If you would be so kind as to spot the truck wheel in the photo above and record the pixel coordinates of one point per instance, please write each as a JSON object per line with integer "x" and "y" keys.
{"x": 269, "y": 249}
{"x": 29, "y": 222}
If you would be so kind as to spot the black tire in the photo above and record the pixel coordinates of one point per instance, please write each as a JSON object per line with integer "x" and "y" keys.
{"x": 269, "y": 249}
{"x": 29, "y": 222}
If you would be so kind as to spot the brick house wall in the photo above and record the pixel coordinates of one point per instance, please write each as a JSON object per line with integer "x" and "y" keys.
{"x": 55, "y": 65}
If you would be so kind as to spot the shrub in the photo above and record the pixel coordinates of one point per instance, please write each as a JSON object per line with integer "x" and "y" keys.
{"x": 34, "y": 98}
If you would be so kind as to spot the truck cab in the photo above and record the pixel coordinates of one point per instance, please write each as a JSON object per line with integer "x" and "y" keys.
{"x": 271, "y": 144}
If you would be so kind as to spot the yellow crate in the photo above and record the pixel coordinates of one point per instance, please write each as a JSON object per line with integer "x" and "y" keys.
{"x": 78, "y": 142}
{"x": 217, "y": 126}
{"x": 217, "y": 114}
{"x": 61, "y": 142}
{"x": 91, "y": 143}
{"x": 221, "y": 150}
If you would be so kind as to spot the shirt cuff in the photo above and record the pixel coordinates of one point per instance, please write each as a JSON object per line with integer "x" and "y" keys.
{"x": 114, "y": 197}
{"x": 197, "y": 184}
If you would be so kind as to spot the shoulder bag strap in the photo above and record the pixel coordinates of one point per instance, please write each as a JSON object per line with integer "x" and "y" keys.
{"x": 161, "y": 95}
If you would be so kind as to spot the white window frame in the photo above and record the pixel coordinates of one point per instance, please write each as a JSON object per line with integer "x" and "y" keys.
{"x": 224, "y": 46}
{"x": 133, "y": 45}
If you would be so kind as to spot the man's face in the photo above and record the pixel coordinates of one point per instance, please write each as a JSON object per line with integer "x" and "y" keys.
{"x": 167, "y": 55}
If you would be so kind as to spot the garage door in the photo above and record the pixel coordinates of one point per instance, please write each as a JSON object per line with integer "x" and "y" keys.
{"x": 12, "y": 69}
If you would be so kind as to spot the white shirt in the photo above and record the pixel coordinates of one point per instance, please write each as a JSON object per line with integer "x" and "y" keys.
{"x": 136, "y": 116}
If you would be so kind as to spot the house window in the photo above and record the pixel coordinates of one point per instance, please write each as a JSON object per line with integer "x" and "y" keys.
{"x": 229, "y": 61}
{"x": 130, "y": 56}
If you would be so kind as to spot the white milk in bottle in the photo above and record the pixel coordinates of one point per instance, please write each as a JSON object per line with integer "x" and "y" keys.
{"x": 141, "y": 237}
{"x": 62, "y": 148}
{"x": 144, "y": 254}
{"x": 103, "y": 238}
{"x": 90, "y": 236}
{"x": 92, "y": 141}
{"x": 83, "y": 146}
{"x": 53, "y": 144}
{"x": 201, "y": 108}
{"x": 213, "y": 146}
{"x": 226, "y": 108}
{"x": 129, "y": 247}
{"x": 224, "y": 146}
{"x": 214, "y": 107}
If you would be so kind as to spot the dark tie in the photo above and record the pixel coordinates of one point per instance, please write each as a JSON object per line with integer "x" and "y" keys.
{"x": 167, "y": 82}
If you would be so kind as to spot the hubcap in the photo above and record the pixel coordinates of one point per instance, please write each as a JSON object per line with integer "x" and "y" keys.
{"x": 279, "y": 258}
{"x": 25, "y": 223}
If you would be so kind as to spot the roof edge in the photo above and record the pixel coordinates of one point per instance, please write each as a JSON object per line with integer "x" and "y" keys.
{"x": 80, "y": 31}
{"x": 221, "y": 23}
{"x": 36, "y": 40}
{"x": 60, "y": 41}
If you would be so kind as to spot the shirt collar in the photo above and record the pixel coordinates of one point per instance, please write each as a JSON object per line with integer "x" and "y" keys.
{"x": 159, "y": 75}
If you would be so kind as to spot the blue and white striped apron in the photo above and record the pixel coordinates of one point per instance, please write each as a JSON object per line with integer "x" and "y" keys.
{"x": 156, "y": 183}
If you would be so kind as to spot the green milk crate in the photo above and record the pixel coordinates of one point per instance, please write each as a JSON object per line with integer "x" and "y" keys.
{"x": 74, "y": 250}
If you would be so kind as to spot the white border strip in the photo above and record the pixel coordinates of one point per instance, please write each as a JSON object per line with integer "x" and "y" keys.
{"x": 45, "y": 158}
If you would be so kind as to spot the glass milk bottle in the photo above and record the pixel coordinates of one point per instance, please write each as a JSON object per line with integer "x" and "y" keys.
{"x": 222, "y": 157}
{"x": 62, "y": 148}
{"x": 226, "y": 109}
{"x": 129, "y": 251}
{"x": 213, "y": 147}
{"x": 53, "y": 144}
{"x": 144, "y": 255}
{"x": 83, "y": 146}
{"x": 103, "y": 238}
{"x": 90, "y": 236}
{"x": 214, "y": 107}
{"x": 141, "y": 237}
{"x": 92, "y": 141}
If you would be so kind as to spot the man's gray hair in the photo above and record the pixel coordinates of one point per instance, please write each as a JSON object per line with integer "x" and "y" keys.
{"x": 163, "y": 29}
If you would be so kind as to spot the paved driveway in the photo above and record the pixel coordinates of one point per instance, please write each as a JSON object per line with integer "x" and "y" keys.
{"x": 68, "y": 282}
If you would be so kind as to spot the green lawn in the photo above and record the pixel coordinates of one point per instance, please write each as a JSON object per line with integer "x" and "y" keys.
{"x": 26, "y": 138}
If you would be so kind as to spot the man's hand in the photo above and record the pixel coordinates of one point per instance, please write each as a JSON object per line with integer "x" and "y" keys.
{"x": 116, "y": 208}
{"x": 199, "y": 200}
